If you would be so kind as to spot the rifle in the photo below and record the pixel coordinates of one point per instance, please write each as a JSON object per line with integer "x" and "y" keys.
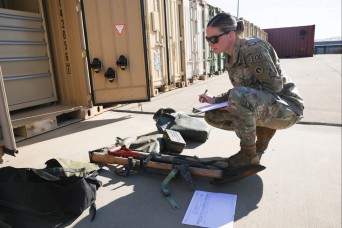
{"x": 122, "y": 155}
{"x": 186, "y": 166}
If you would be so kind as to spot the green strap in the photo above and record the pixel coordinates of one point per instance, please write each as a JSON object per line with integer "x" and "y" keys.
{"x": 166, "y": 190}
{"x": 172, "y": 202}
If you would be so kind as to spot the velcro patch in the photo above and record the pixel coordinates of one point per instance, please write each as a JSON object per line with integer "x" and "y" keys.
{"x": 256, "y": 58}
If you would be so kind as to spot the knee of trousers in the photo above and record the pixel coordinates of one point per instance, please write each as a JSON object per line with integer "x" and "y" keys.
{"x": 208, "y": 116}
{"x": 219, "y": 119}
{"x": 239, "y": 98}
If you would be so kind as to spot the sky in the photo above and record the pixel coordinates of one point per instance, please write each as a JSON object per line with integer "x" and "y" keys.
{"x": 324, "y": 14}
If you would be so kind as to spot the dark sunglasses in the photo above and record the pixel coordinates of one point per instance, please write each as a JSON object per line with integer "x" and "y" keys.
{"x": 215, "y": 39}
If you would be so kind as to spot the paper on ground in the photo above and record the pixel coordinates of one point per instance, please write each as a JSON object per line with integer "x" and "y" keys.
{"x": 210, "y": 107}
{"x": 209, "y": 209}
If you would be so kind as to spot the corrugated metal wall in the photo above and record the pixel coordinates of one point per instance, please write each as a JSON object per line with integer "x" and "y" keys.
{"x": 292, "y": 41}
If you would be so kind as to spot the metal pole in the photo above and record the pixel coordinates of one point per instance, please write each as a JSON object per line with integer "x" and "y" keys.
{"x": 238, "y": 3}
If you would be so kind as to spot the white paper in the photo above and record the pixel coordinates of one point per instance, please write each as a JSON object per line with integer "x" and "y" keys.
{"x": 210, "y": 107}
{"x": 209, "y": 209}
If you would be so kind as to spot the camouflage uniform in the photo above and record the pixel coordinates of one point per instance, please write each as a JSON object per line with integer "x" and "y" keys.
{"x": 262, "y": 95}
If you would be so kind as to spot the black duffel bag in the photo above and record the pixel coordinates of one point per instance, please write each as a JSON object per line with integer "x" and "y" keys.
{"x": 46, "y": 197}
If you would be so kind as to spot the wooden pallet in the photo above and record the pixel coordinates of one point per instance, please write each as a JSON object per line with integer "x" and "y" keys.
{"x": 36, "y": 121}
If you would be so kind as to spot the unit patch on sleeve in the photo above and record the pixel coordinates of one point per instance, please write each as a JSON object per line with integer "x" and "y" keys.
{"x": 256, "y": 58}
{"x": 259, "y": 70}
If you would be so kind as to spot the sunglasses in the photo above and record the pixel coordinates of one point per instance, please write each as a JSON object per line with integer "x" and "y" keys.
{"x": 215, "y": 39}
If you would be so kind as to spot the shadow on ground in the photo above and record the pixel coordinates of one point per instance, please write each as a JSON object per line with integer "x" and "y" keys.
{"x": 72, "y": 129}
{"x": 145, "y": 205}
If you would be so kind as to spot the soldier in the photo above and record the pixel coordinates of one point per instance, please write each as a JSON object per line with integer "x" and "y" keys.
{"x": 262, "y": 99}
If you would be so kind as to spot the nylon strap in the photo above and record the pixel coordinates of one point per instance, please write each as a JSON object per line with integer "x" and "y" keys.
{"x": 166, "y": 190}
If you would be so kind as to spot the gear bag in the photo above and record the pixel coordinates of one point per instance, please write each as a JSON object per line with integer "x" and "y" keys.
{"x": 147, "y": 143}
{"x": 47, "y": 197}
{"x": 189, "y": 127}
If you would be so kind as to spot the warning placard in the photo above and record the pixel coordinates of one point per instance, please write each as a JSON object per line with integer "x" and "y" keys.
{"x": 119, "y": 28}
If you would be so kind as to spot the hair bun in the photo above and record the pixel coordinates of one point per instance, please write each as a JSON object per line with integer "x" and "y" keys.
{"x": 240, "y": 25}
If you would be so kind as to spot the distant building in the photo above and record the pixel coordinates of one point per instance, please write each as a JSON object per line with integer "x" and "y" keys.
{"x": 292, "y": 41}
{"x": 328, "y": 47}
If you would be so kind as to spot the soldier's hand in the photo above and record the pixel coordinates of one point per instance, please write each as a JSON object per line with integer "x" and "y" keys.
{"x": 206, "y": 98}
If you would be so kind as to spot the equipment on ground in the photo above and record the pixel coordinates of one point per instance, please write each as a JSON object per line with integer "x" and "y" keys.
{"x": 186, "y": 166}
{"x": 48, "y": 197}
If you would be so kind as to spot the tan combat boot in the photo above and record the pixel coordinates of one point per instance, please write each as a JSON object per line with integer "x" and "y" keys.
{"x": 246, "y": 156}
{"x": 264, "y": 136}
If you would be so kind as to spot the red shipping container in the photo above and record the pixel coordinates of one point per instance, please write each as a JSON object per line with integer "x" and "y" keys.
{"x": 292, "y": 41}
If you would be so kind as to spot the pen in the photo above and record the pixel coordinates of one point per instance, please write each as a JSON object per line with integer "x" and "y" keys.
{"x": 204, "y": 93}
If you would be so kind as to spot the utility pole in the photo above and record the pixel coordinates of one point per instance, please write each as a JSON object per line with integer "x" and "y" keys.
{"x": 237, "y": 15}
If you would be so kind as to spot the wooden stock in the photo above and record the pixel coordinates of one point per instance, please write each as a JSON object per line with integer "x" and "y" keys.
{"x": 110, "y": 159}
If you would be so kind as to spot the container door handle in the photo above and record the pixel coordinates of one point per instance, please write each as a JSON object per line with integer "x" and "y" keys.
{"x": 96, "y": 65}
{"x": 122, "y": 62}
{"x": 110, "y": 74}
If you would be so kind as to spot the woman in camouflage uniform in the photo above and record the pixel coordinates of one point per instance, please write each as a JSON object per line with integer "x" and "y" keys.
{"x": 262, "y": 100}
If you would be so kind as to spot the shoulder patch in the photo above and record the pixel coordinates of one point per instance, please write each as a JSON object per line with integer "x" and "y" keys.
{"x": 258, "y": 70}
{"x": 256, "y": 58}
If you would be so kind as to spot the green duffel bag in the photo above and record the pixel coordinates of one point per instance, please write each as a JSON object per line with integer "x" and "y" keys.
{"x": 147, "y": 143}
{"x": 189, "y": 127}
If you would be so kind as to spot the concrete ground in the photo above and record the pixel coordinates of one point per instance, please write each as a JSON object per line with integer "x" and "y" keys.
{"x": 301, "y": 186}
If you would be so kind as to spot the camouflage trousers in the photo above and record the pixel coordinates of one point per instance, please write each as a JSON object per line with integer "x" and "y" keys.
{"x": 249, "y": 108}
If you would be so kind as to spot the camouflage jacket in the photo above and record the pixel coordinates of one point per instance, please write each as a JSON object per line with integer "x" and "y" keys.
{"x": 255, "y": 64}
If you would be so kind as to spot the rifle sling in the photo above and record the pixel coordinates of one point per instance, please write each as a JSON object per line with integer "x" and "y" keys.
{"x": 166, "y": 190}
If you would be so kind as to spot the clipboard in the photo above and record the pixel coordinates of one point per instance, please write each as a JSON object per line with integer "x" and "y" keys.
{"x": 209, "y": 107}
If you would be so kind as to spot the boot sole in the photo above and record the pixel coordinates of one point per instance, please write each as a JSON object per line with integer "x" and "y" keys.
{"x": 237, "y": 174}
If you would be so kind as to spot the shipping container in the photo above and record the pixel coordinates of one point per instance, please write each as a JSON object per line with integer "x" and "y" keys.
{"x": 25, "y": 58}
{"x": 187, "y": 39}
{"x": 194, "y": 35}
{"x": 216, "y": 63}
{"x": 164, "y": 45}
{"x": 221, "y": 58}
{"x": 156, "y": 45}
{"x": 208, "y": 52}
{"x": 328, "y": 47}
{"x": 292, "y": 41}
{"x": 174, "y": 43}
{"x": 64, "y": 60}
{"x": 212, "y": 64}
{"x": 199, "y": 47}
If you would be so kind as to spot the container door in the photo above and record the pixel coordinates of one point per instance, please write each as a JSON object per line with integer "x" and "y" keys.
{"x": 305, "y": 42}
{"x": 116, "y": 45}
{"x": 174, "y": 38}
{"x": 211, "y": 54}
{"x": 201, "y": 55}
{"x": 24, "y": 56}
{"x": 157, "y": 45}
{"x": 187, "y": 37}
